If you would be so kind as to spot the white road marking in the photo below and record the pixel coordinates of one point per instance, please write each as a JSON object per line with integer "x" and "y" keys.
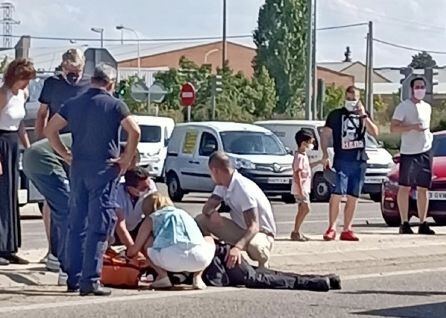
{"x": 104, "y": 300}
{"x": 394, "y": 273}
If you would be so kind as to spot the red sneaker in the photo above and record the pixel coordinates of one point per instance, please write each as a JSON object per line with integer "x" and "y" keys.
{"x": 330, "y": 235}
{"x": 348, "y": 236}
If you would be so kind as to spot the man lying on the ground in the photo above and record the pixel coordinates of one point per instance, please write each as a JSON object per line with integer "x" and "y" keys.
{"x": 251, "y": 227}
{"x": 218, "y": 274}
{"x": 137, "y": 185}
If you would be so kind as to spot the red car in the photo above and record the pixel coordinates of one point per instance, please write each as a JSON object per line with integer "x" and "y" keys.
{"x": 437, "y": 193}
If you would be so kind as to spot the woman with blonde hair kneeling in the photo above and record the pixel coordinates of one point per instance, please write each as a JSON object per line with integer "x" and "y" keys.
{"x": 173, "y": 242}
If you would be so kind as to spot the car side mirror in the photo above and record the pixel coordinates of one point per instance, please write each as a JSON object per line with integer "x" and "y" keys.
{"x": 396, "y": 159}
{"x": 166, "y": 142}
{"x": 288, "y": 150}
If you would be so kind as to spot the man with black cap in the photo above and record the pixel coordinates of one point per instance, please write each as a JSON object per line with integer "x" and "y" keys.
{"x": 94, "y": 119}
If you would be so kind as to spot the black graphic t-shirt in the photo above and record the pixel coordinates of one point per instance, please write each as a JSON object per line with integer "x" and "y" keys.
{"x": 348, "y": 135}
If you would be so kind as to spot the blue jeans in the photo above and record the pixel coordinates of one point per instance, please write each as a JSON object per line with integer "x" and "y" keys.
{"x": 55, "y": 189}
{"x": 92, "y": 217}
{"x": 350, "y": 177}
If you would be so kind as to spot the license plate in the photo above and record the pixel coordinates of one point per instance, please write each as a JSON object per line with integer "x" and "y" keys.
{"x": 279, "y": 180}
{"x": 373, "y": 180}
{"x": 434, "y": 195}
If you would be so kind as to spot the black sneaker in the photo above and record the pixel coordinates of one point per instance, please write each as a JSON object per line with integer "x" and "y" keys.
{"x": 335, "y": 281}
{"x": 405, "y": 228}
{"x": 425, "y": 229}
{"x": 320, "y": 284}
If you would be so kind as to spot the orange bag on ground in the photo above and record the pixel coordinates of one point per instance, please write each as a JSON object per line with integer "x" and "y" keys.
{"x": 120, "y": 271}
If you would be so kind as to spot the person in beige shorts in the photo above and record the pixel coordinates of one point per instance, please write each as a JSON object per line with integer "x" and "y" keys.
{"x": 252, "y": 227}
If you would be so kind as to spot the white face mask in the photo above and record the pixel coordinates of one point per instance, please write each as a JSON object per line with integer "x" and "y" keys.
{"x": 351, "y": 105}
{"x": 419, "y": 93}
{"x": 310, "y": 147}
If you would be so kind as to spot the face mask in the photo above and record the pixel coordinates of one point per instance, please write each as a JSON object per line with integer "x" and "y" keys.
{"x": 72, "y": 78}
{"x": 351, "y": 105}
{"x": 419, "y": 93}
{"x": 310, "y": 147}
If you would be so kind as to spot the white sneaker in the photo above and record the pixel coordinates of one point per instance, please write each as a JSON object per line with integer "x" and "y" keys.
{"x": 62, "y": 279}
{"x": 52, "y": 264}
{"x": 198, "y": 284}
{"x": 45, "y": 258}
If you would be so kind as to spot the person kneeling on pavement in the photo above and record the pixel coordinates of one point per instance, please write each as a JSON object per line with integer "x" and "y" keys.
{"x": 251, "y": 227}
{"x": 130, "y": 194}
{"x": 172, "y": 242}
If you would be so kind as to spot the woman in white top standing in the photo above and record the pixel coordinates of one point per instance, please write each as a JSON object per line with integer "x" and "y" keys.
{"x": 13, "y": 96}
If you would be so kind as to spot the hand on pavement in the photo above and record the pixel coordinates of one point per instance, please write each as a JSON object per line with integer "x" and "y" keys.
{"x": 234, "y": 257}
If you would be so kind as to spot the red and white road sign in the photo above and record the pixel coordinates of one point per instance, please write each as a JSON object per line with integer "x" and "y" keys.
{"x": 187, "y": 94}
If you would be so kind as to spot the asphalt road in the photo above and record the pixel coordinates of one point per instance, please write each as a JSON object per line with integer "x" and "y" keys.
{"x": 368, "y": 218}
{"x": 414, "y": 295}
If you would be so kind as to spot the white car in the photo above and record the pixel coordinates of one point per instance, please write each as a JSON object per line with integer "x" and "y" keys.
{"x": 152, "y": 148}
{"x": 255, "y": 151}
{"x": 379, "y": 163}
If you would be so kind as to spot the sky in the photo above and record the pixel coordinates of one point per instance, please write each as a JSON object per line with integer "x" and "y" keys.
{"x": 413, "y": 23}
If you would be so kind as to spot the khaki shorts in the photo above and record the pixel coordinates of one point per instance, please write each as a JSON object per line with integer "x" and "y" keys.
{"x": 258, "y": 249}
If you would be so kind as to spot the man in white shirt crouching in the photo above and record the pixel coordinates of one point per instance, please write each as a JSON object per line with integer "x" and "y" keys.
{"x": 252, "y": 227}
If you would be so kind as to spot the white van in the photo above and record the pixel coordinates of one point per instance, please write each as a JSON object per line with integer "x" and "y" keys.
{"x": 379, "y": 164}
{"x": 152, "y": 148}
{"x": 255, "y": 151}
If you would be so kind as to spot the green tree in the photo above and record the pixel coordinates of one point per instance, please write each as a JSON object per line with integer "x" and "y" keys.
{"x": 422, "y": 60}
{"x": 263, "y": 94}
{"x": 334, "y": 97}
{"x": 281, "y": 38}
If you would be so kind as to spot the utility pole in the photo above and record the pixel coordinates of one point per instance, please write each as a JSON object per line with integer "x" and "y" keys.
{"x": 314, "y": 64}
{"x": 366, "y": 77}
{"x": 308, "y": 80}
{"x": 224, "y": 53}
{"x": 370, "y": 79}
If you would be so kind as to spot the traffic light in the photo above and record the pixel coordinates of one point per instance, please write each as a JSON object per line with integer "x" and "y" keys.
{"x": 407, "y": 72}
{"x": 430, "y": 74}
{"x": 217, "y": 84}
{"x": 122, "y": 88}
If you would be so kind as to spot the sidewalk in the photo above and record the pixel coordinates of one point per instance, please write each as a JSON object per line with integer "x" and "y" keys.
{"x": 312, "y": 256}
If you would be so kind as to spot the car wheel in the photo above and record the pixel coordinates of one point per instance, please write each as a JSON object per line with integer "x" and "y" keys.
{"x": 392, "y": 221}
{"x": 376, "y": 196}
{"x": 288, "y": 198}
{"x": 440, "y": 220}
{"x": 174, "y": 188}
{"x": 321, "y": 188}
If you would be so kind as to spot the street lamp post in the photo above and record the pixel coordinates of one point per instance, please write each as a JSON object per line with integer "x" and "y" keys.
{"x": 100, "y": 31}
{"x": 121, "y": 27}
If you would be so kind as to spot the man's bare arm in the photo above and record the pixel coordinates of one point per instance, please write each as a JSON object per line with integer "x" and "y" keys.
{"x": 397, "y": 126}
{"x": 122, "y": 231}
{"x": 325, "y": 137}
{"x": 52, "y": 132}
{"x": 41, "y": 120}
{"x": 211, "y": 204}
{"x": 371, "y": 127}
{"x": 252, "y": 228}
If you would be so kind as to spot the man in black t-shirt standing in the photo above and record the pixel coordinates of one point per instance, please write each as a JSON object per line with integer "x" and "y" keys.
{"x": 94, "y": 119}
{"x": 347, "y": 126}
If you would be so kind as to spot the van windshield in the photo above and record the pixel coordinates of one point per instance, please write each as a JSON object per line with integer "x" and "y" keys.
{"x": 252, "y": 143}
{"x": 148, "y": 134}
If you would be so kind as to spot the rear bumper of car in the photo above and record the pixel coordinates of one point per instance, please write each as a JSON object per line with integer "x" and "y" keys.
{"x": 389, "y": 204}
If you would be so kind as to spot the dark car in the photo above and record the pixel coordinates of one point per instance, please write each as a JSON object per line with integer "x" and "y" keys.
{"x": 437, "y": 193}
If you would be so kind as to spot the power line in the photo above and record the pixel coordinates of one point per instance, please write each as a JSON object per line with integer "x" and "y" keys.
{"x": 343, "y": 26}
{"x": 133, "y": 40}
{"x": 404, "y": 47}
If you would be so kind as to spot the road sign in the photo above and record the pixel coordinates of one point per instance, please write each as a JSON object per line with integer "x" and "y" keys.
{"x": 139, "y": 91}
{"x": 187, "y": 94}
{"x": 154, "y": 94}
{"x": 94, "y": 57}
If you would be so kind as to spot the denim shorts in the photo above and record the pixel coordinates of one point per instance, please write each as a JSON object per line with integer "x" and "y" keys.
{"x": 349, "y": 177}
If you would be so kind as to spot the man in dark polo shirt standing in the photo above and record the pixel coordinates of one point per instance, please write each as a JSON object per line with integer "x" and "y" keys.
{"x": 94, "y": 119}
